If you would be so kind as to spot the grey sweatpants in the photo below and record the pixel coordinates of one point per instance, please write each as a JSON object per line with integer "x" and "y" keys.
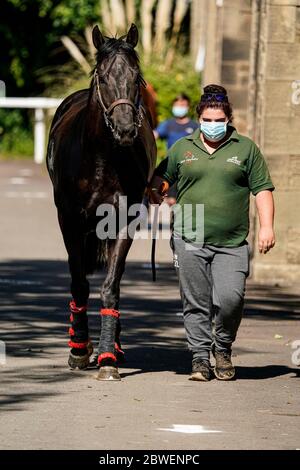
{"x": 212, "y": 284}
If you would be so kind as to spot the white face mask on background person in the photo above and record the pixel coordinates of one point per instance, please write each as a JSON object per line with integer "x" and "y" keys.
{"x": 214, "y": 131}
{"x": 179, "y": 111}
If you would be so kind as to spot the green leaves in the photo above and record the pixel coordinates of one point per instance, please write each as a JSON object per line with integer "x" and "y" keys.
{"x": 74, "y": 14}
{"x": 182, "y": 78}
{"x": 15, "y": 138}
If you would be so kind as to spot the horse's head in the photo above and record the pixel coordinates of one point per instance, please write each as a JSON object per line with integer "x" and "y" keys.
{"x": 117, "y": 81}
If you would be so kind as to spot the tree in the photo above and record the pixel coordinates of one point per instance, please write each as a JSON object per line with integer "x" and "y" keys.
{"x": 41, "y": 39}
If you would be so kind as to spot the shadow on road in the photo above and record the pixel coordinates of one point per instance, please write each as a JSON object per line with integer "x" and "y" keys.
{"x": 34, "y": 295}
{"x": 264, "y": 372}
{"x": 34, "y": 298}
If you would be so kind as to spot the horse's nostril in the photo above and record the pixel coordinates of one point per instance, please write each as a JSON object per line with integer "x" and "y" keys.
{"x": 132, "y": 132}
{"x": 128, "y": 131}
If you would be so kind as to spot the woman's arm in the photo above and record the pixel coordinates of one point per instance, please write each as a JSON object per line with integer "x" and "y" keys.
{"x": 265, "y": 207}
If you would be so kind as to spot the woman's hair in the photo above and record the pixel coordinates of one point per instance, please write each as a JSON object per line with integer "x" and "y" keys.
{"x": 181, "y": 96}
{"x": 215, "y": 96}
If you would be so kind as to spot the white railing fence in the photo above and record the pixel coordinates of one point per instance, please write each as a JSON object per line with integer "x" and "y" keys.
{"x": 39, "y": 105}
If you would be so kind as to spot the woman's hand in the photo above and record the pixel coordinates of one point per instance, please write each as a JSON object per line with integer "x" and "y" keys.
{"x": 157, "y": 190}
{"x": 266, "y": 239}
{"x": 154, "y": 196}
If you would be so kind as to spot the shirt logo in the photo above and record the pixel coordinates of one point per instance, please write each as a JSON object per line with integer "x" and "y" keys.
{"x": 234, "y": 160}
{"x": 188, "y": 157}
{"x": 189, "y": 130}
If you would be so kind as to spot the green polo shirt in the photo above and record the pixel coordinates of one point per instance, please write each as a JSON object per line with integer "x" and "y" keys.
{"x": 221, "y": 183}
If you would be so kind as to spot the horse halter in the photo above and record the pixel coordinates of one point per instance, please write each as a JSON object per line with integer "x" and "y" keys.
{"x": 107, "y": 111}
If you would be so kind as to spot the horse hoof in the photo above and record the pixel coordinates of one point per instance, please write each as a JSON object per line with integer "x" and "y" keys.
{"x": 81, "y": 362}
{"x": 78, "y": 362}
{"x": 108, "y": 373}
{"x": 90, "y": 348}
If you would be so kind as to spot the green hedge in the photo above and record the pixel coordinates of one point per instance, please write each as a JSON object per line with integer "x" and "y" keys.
{"x": 167, "y": 84}
{"x": 16, "y": 134}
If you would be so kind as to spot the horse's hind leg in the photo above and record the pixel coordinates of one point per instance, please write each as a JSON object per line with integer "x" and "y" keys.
{"x": 81, "y": 348}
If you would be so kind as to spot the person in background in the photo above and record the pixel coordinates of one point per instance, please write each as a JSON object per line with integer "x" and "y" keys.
{"x": 180, "y": 125}
{"x": 218, "y": 168}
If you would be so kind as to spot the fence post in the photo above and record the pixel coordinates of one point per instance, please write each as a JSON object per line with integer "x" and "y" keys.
{"x": 39, "y": 135}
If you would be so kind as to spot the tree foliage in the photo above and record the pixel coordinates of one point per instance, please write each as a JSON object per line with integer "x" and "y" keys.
{"x": 34, "y": 61}
{"x": 31, "y": 32}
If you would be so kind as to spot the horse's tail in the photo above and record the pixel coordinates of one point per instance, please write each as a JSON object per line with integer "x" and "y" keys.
{"x": 95, "y": 253}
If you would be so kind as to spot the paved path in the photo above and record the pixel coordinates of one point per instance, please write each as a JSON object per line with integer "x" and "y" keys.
{"x": 45, "y": 406}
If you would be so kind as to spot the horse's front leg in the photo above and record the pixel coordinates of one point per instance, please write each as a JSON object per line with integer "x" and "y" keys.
{"x": 110, "y": 322}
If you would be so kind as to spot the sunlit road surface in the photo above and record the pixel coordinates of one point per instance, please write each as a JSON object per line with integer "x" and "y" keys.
{"x": 44, "y": 405}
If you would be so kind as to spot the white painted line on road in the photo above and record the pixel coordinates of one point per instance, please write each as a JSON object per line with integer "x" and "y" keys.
{"x": 149, "y": 265}
{"x": 26, "y": 172}
{"x": 17, "y": 180}
{"x": 19, "y": 282}
{"x": 26, "y": 194}
{"x": 189, "y": 429}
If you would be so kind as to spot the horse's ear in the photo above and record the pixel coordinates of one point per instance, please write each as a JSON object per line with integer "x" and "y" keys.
{"x": 98, "y": 39}
{"x": 132, "y": 35}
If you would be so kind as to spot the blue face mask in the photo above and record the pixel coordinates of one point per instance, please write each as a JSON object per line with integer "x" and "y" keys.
{"x": 180, "y": 111}
{"x": 214, "y": 131}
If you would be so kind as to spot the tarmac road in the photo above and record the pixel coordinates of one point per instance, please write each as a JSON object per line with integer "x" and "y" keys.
{"x": 44, "y": 405}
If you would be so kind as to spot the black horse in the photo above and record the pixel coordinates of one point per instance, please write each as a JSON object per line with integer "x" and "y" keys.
{"x": 101, "y": 147}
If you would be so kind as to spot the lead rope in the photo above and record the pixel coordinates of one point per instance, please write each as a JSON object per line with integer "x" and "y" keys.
{"x": 154, "y": 233}
{"x": 162, "y": 190}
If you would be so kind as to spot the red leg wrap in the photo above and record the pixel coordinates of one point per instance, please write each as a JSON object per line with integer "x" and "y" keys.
{"x": 106, "y": 355}
{"x": 75, "y": 309}
{"x": 110, "y": 311}
{"x": 118, "y": 349}
{"x": 78, "y": 345}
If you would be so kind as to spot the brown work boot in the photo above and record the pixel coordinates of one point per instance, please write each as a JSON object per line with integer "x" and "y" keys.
{"x": 201, "y": 370}
{"x": 224, "y": 369}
